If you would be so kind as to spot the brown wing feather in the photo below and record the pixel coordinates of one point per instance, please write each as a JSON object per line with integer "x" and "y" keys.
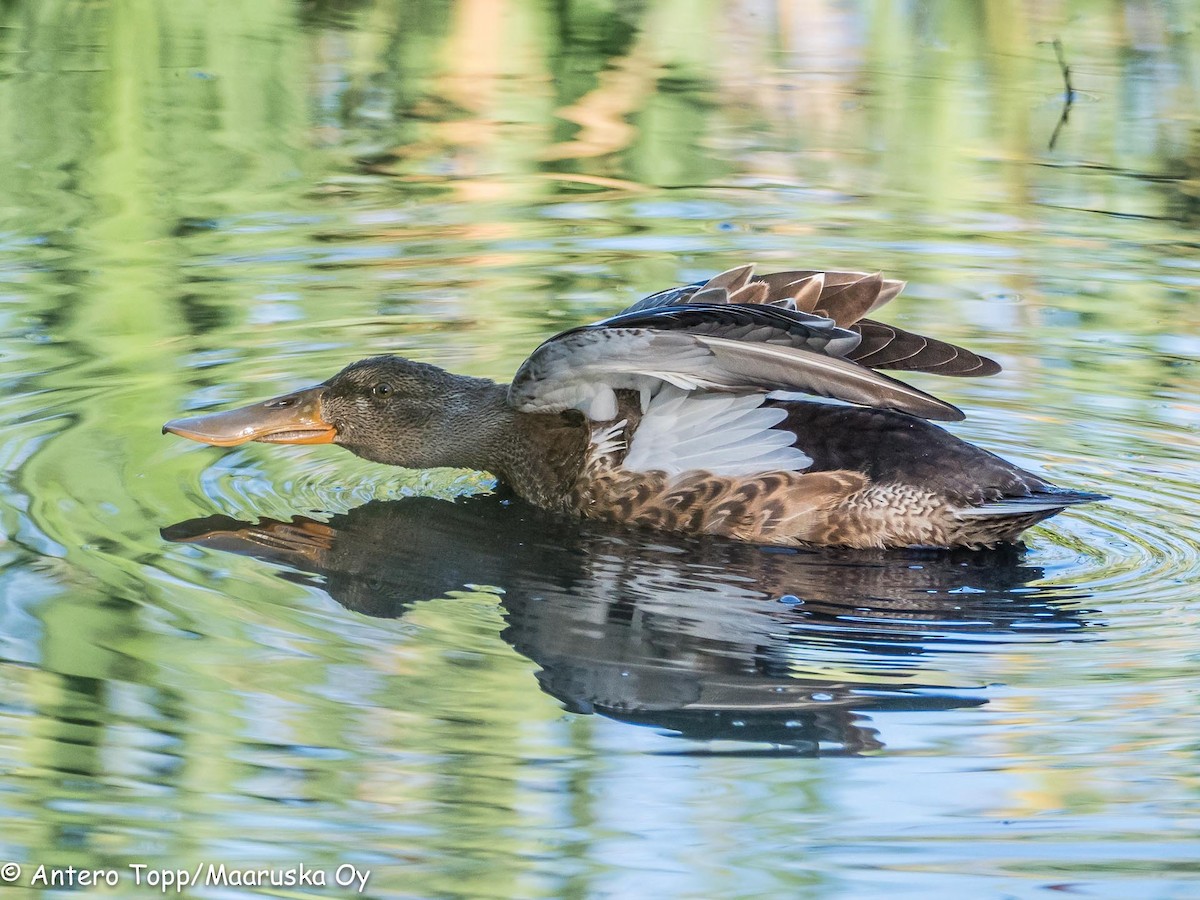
{"x": 754, "y": 293}
{"x": 847, "y": 303}
{"x": 889, "y": 347}
{"x": 847, "y": 295}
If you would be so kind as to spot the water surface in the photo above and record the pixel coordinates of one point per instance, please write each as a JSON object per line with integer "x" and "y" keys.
{"x": 269, "y": 656}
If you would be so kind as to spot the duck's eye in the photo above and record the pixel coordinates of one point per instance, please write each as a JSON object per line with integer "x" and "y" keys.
{"x": 382, "y": 389}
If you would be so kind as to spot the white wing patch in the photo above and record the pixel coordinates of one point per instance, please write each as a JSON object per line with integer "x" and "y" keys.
{"x": 726, "y": 434}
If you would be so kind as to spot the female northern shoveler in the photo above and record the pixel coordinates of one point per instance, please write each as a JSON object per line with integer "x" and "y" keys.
{"x": 684, "y": 412}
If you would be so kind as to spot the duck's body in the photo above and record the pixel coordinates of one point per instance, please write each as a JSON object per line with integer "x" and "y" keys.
{"x": 682, "y": 414}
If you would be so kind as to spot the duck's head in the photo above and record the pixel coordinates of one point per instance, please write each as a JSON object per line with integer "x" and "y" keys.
{"x": 387, "y": 409}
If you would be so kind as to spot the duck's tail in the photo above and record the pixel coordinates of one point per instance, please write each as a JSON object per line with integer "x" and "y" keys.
{"x": 1002, "y": 521}
{"x": 1049, "y": 501}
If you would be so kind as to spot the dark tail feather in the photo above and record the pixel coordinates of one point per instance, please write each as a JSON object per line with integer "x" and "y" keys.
{"x": 1002, "y": 521}
{"x": 1048, "y": 501}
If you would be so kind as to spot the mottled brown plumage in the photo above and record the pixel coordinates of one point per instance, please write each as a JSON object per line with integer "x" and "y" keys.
{"x": 660, "y": 417}
{"x": 878, "y": 479}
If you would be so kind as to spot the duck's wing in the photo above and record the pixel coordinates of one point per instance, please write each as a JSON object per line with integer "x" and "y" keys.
{"x": 708, "y": 344}
{"x": 844, "y": 297}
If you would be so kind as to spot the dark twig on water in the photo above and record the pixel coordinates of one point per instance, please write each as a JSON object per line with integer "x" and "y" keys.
{"x": 1068, "y": 95}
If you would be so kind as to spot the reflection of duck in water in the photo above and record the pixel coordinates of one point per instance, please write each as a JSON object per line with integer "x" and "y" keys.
{"x": 681, "y": 414}
{"x": 707, "y": 637}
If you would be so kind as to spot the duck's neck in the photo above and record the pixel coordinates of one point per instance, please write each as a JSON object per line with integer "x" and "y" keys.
{"x": 538, "y": 456}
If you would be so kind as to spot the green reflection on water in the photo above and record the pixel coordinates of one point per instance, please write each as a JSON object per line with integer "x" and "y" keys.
{"x": 208, "y": 202}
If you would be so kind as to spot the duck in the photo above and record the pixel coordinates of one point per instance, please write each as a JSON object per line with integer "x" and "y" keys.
{"x": 746, "y": 406}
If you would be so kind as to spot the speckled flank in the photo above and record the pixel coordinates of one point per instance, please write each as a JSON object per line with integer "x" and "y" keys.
{"x": 789, "y": 508}
{"x": 776, "y": 508}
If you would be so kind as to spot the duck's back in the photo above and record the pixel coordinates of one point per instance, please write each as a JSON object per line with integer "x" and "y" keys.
{"x": 891, "y": 448}
{"x": 805, "y": 473}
